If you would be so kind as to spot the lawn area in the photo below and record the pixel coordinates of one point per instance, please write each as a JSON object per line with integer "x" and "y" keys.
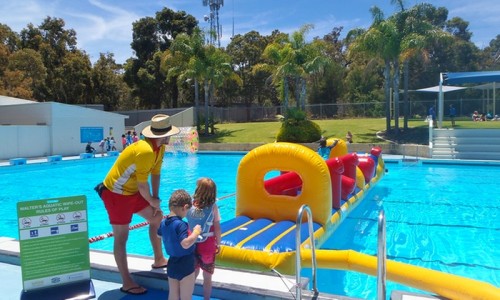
{"x": 363, "y": 130}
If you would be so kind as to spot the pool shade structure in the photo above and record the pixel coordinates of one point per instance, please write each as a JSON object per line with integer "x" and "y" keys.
{"x": 461, "y": 78}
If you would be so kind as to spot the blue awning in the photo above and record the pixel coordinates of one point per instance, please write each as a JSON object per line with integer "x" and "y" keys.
{"x": 471, "y": 77}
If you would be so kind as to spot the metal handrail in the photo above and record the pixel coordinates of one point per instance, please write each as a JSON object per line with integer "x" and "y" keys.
{"x": 298, "y": 268}
{"x": 381, "y": 258}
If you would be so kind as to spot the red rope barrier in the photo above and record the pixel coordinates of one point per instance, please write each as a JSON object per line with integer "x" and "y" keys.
{"x": 135, "y": 226}
{"x": 110, "y": 234}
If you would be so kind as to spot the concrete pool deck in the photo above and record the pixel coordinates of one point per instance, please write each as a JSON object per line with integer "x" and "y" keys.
{"x": 227, "y": 283}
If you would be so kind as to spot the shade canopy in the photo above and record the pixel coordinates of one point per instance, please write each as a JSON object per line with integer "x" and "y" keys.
{"x": 464, "y": 77}
{"x": 445, "y": 89}
{"x": 471, "y": 77}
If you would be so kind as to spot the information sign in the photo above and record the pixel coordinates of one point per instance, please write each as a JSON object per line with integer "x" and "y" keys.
{"x": 53, "y": 238}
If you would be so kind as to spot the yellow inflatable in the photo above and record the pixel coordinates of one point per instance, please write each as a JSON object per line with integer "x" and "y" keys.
{"x": 262, "y": 234}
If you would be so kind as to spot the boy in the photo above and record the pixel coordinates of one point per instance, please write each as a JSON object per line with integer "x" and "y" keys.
{"x": 179, "y": 245}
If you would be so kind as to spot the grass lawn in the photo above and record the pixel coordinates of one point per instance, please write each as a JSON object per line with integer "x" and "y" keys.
{"x": 363, "y": 130}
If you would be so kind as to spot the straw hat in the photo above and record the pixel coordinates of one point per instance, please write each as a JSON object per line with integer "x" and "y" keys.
{"x": 160, "y": 127}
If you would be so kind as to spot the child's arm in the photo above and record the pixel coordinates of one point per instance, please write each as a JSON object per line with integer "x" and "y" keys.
{"x": 216, "y": 225}
{"x": 334, "y": 144}
{"x": 217, "y": 234}
{"x": 191, "y": 239}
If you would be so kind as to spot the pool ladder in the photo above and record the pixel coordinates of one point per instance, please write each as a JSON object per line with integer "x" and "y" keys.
{"x": 381, "y": 254}
{"x": 298, "y": 267}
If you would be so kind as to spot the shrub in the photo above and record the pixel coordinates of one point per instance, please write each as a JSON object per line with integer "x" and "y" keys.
{"x": 295, "y": 128}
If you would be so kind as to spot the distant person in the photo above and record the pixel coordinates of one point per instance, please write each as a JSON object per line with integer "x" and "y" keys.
{"x": 453, "y": 114}
{"x": 205, "y": 213}
{"x": 102, "y": 145}
{"x": 324, "y": 150}
{"x": 135, "y": 138}
{"x": 90, "y": 149}
{"x": 112, "y": 143}
{"x": 179, "y": 244}
{"x": 129, "y": 138}
{"x": 348, "y": 137}
{"x": 475, "y": 116}
{"x": 132, "y": 187}
{"x": 432, "y": 113}
{"x": 124, "y": 141}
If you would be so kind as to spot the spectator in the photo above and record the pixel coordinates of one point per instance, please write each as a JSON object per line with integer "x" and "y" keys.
{"x": 102, "y": 144}
{"x": 124, "y": 141}
{"x": 432, "y": 113}
{"x": 348, "y": 137}
{"x": 453, "y": 114}
{"x": 475, "y": 116}
{"x": 90, "y": 149}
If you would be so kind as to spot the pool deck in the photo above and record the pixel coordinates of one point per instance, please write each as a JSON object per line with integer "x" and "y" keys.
{"x": 227, "y": 283}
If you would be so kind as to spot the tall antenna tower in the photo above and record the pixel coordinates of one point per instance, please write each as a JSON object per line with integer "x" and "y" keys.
{"x": 215, "y": 32}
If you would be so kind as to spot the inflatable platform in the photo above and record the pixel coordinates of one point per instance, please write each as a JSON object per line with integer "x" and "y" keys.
{"x": 262, "y": 236}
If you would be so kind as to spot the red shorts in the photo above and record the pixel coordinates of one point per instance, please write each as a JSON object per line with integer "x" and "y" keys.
{"x": 205, "y": 255}
{"x": 121, "y": 207}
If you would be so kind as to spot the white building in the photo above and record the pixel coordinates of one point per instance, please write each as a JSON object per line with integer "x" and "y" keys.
{"x": 37, "y": 129}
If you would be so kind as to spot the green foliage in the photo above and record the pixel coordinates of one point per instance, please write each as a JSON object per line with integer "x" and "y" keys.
{"x": 295, "y": 128}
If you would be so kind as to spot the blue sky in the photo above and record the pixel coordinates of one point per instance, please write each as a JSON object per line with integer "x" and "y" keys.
{"x": 106, "y": 25}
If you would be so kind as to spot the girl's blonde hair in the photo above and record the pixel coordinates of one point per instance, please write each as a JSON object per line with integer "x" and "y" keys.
{"x": 206, "y": 192}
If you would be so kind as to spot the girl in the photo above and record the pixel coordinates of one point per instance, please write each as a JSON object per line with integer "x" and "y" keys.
{"x": 205, "y": 213}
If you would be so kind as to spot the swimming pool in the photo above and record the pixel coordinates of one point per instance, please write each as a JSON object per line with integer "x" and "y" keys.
{"x": 438, "y": 216}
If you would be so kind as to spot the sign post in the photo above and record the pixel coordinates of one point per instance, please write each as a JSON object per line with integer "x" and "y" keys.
{"x": 54, "y": 248}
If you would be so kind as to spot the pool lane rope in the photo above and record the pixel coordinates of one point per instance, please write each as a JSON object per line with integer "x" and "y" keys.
{"x": 138, "y": 225}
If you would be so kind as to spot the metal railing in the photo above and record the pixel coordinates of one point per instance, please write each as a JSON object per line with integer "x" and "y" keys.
{"x": 381, "y": 258}
{"x": 298, "y": 267}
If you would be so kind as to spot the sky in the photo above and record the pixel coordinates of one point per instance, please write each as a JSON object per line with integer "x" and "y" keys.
{"x": 104, "y": 26}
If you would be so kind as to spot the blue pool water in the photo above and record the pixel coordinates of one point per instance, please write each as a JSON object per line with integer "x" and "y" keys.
{"x": 443, "y": 217}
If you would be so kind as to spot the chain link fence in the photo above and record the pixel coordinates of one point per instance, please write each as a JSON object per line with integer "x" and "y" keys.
{"x": 417, "y": 109}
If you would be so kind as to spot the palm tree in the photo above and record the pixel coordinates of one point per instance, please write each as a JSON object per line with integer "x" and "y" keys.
{"x": 418, "y": 34}
{"x": 190, "y": 59}
{"x": 292, "y": 60}
{"x": 380, "y": 41}
{"x": 176, "y": 62}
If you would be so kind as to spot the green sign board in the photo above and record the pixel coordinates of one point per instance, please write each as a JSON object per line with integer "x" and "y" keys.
{"x": 53, "y": 238}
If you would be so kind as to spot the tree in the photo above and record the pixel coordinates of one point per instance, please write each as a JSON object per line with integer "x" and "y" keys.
{"x": 189, "y": 58}
{"x": 293, "y": 60}
{"x": 54, "y": 43}
{"x": 179, "y": 62}
{"x": 150, "y": 37}
{"x": 380, "y": 41}
{"x": 73, "y": 79}
{"x": 108, "y": 86}
{"x": 30, "y": 63}
{"x": 246, "y": 52}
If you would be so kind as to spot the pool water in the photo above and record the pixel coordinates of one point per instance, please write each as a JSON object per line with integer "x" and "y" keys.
{"x": 443, "y": 217}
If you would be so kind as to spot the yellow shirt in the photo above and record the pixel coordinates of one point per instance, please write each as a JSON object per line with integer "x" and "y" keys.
{"x": 134, "y": 165}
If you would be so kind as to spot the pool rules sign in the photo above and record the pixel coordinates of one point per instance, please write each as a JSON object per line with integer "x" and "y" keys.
{"x": 53, "y": 240}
